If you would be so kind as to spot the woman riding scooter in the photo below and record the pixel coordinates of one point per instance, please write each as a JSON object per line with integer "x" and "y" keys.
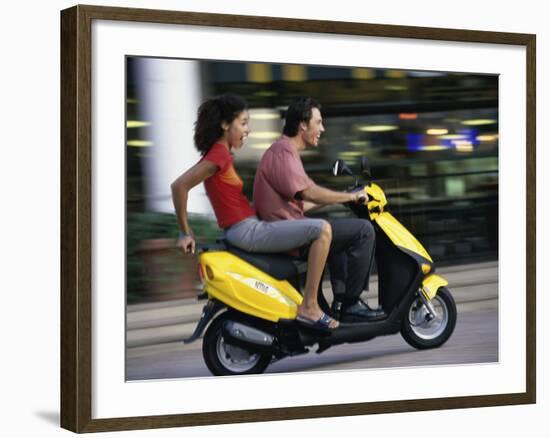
{"x": 222, "y": 126}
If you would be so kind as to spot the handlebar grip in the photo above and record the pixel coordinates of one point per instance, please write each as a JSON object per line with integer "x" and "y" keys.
{"x": 362, "y": 199}
{"x": 375, "y": 209}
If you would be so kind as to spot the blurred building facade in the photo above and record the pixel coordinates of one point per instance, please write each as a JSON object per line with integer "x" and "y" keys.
{"x": 431, "y": 138}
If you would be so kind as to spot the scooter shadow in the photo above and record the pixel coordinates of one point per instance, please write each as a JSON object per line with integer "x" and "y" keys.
{"x": 336, "y": 360}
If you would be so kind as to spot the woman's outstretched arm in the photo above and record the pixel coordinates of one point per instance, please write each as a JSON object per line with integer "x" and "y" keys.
{"x": 180, "y": 190}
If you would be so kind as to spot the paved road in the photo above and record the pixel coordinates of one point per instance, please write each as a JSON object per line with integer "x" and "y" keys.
{"x": 475, "y": 340}
{"x": 153, "y": 354}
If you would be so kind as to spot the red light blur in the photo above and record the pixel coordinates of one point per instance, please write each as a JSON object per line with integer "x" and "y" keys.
{"x": 201, "y": 272}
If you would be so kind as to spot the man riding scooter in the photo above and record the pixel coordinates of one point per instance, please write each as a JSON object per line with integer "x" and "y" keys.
{"x": 283, "y": 190}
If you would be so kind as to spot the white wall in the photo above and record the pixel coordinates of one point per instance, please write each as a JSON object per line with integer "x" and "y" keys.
{"x": 29, "y": 180}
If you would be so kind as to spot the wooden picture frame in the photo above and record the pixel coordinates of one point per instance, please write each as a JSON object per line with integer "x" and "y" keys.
{"x": 76, "y": 217}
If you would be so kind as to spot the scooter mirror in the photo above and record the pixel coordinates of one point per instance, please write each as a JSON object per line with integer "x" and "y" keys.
{"x": 365, "y": 166}
{"x": 341, "y": 168}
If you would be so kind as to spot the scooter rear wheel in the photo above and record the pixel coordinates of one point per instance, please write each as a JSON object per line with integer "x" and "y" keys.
{"x": 224, "y": 359}
{"x": 422, "y": 333}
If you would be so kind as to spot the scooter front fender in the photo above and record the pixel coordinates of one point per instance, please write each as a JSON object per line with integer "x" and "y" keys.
{"x": 431, "y": 284}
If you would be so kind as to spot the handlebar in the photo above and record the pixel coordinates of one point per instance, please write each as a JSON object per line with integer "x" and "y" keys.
{"x": 358, "y": 188}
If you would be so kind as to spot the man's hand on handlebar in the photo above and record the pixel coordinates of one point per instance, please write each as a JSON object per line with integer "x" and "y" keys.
{"x": 360, "y": 197}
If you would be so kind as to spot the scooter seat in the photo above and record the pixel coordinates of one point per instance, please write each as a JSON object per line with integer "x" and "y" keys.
{"x": 278, "y": 266}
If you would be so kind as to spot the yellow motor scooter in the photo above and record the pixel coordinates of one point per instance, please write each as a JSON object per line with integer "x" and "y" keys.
{"x": 256, "y": 296}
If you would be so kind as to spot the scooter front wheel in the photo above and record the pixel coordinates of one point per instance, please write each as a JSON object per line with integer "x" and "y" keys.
{"x": 224, "y": 359}
{"x": 423, "y": 332}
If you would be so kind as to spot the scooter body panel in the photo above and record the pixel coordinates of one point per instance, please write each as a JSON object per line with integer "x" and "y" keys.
{"x": 407, "y": 243}
{"x": 377, "y": 197}
{"x": 246, "y": 288}
{"x": 399, "y": 275}
{"x": 399, "y": 235}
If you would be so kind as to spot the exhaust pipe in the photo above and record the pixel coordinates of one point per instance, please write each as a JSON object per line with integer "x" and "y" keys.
{"x": 247, "y": 337}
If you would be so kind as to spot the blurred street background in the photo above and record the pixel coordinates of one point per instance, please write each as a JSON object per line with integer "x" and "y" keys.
{"x": 431, "y": 138}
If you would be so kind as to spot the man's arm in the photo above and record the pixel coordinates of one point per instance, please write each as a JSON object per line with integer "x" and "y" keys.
{"x": 310, "y": 206}
{"x": 319, "y": 195}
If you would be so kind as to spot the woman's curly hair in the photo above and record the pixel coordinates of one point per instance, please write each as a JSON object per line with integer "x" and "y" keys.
{"x": 210, "y": 116}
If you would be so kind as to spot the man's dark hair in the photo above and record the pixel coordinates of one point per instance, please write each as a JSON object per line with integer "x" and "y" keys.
{"x": 211, "y": 114}
{"x": 299, "y": 111}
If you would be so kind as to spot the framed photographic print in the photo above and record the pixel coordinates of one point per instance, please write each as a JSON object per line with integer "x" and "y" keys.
{"x": 446, "y": 119}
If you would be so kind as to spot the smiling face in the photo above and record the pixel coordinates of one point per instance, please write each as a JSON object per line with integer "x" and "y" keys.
{"x": 311, "y": 132}
{"x": 236, "y": 132}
